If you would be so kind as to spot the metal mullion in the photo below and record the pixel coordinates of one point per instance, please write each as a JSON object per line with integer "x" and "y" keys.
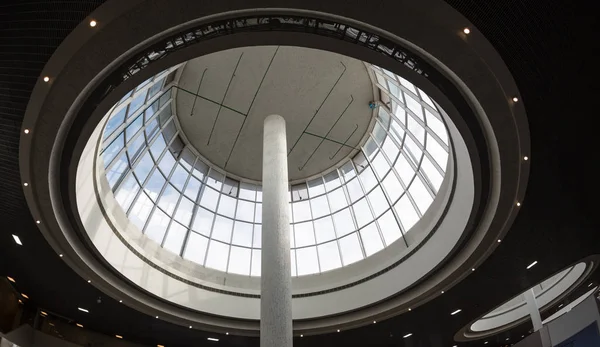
{"x": 337, "y": 237}
{"x": 406, "y": 90}
{"x": 194, "y": 210}
{"x": 380, "y": 181}
{"x": 253, "y": 231}
{"x": 232, "y": 227}
{"x": 196, "y": 207}
{"x": 215, "y": 216}
{"x": 178, "y": 200}
{"x": 162, "y": 190}
{"x": 351, "y": 209}
{"x": 293, "y": 226}
{"x": 366, "y": 197}
{"x": 312, "y": 221}
{"x": 118, "y": 130}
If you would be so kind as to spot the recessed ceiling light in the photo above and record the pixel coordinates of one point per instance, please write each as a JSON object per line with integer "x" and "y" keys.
{"x": 442, "y": 292}
{"x": 561, "y": 305}
{"x": 499, "y": 240}
{"x": 213, "y": 339}
{"x": 26, "y": 184}
{"x": 227, "y": 333}
{"x": 409, "y": 308}
{"x": 46, "y": 78}
{"x": 61, "y": 255}
{"x": 119, "y": 336}
{"x": 531, "y": 265}
{"x": 43, "y": 313}
{"x": 525, "y": 158}
{"x": 160, "y": 346}
{"x": 17, "y": 240}
{"x": 485, "y": 343}
{"x": 20, "y": 302}
{"x": 374, "y": 321}
{"x": 455, "y": 312}
{"x": 93, "y": 23}
{"x": 11, "y": 279}
{"x": 26, "y": 131}
{"x": 518, "y": 203}
{"x": 473, "y": 269}
{"x": 89, "y": 281}
{"x": 83, "y": 310}
{"x": 190, "y": 326}
{"x": 301, "y": 335}
{"x": 507, "y": 338}
{"x": 156, "y": 317}
{"x": 51, "y": 324}
{"x": 407, "y": 335}
{"x": 338, "y": 330}
{"x": 515, "y": 99}
{"x": 38, "y": 221}
{"x": 467, "y": 31}
{"x": 120, "y": 301}
{"x": 79, "y": 325}
{"x": 589, "y": 285}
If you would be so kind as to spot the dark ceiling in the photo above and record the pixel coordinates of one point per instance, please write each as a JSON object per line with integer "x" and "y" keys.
{"x": 549, "y": 47}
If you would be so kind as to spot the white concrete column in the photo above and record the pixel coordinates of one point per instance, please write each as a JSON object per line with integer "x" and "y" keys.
{"x": 534, "y": 310}
{"x": 276, "y": 279}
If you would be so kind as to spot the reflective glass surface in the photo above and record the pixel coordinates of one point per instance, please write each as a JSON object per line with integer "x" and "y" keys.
{"x": 196, "y": 211}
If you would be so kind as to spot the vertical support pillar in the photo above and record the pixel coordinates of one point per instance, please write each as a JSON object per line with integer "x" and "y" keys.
{"x": 276, "y": 279}
{"x": 534, "y": 310}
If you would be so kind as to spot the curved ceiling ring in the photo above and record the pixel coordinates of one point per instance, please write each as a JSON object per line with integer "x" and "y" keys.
{"x": 45, "y": 156}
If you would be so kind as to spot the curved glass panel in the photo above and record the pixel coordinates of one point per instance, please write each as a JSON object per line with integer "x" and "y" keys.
{"x": 195, "y": 210}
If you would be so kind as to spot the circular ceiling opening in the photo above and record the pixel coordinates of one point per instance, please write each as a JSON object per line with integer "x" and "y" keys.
{"x": 368, "y": 152}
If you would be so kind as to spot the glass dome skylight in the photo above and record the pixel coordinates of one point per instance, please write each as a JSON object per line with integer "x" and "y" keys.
{"x": 195, "y": 210}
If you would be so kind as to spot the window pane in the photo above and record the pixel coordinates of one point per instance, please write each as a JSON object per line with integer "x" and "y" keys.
{"x": 217, "y": 255}
{"x": 242, "y": 234}
{"x": 392, "y": 187}
{"x": 406, "y": 212}
{"x": 432, "y": 173}
{"x": 354, "y": 189}
{"x": 299, "y": 192}
{"x": 438, "y": 127}
{"x": 255, "y": 271}
{"x": 337, "y": 200}
{"x": 136, "y": 103}
{"x": 200, "y": 170}
{"x": 239, "y": 261}
{"x": 417, "y": 130}
{"x": 407, "y": 84}
{"x": 175, "y": 237}
{"x": 362, "y": 212}
{"x": 319, "y": 206}
{"x": 301, "y": 211}
{"x": 258, "y": 213}
{"x": 154, "y": 185}
{"x": 368, "y": 178}
{"x": 316, "y": 187}
{"x": 133, "y": 128}
{"x": 347, "y": 171}
{"x": 184, "y": 211}
{"x": 116, "y": 171}
{"x": 143, "y": 167}
{"x": 157, "y": 147}
{"x": 378, "y": 201}
{"x": 370, "y": 148}
{"x": 404, "y": 169}
{"x": 293, "y": 262}
{"x": 304, "y": 234}
{"x": 168, "y": 200}
{"x": 203, "y": 221}
{"x": 308, "y": 262}
{"x": 414, "y": 105}
{"x": 350, "y": 249}
{"x": 166, "y": 163}
{"x": 179, "y": 177}
{"x": 222, "y": 229}
{"x": 245, "y": 211}
{"x": 135, "y": 148}
{"x": 127, "y": 192}
{"x": 324, "y": 229}
{"x": 381, "y": 165}
{"x": 420, "y": 195}
{"x": 329, "y": 256}
{"x": 112, "y": 150}
{"x": 247, "y": 191}
{"x": 192, "y": 188}
{"x": 371, "y": 239}
{"x": 390, "y": 149}
{"x": 157, "y": 226}
{"x": 389, "y": 228}
{"x": 195, "y": 249}
{"x": 227, "y": 206}
{"x": 332, "y": 181}
{"x": 343, "y": 222}
{"x": 209, "y": 198}
{"x": 257, "y": 238}
{"x": 438, "y": 153}
{"x": 215, "y": 179}
{"x": 114, "y": 122}
{"x": 140, "y": 211}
